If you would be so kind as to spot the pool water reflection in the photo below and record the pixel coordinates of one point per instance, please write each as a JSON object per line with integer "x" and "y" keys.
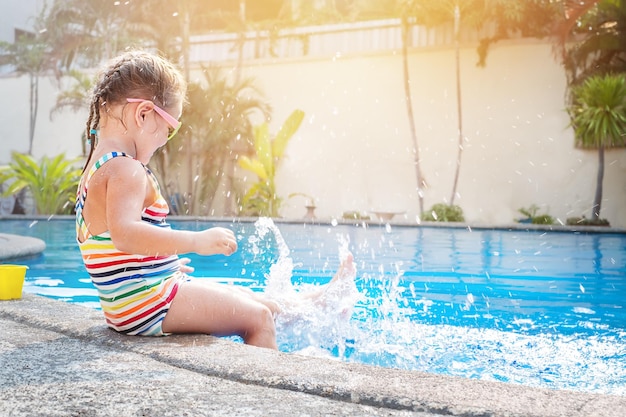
{"x": 532, "y": 307}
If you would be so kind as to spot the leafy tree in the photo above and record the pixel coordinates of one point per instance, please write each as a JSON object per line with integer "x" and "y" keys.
{"x": 75, "y": 97}
{"x": 514, "y": 19}
{"x": 599, "y": 120}
{"x": 29, "y": 55}
{"x": 85, "y": 32}
{"x": 68, "y": 34}
{"x": 592, "y": 40}
{"x": 262, "y": 198}
{"x": 51, "y": 181}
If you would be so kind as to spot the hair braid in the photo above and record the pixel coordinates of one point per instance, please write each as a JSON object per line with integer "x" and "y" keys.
{"x": 134, "y": 74}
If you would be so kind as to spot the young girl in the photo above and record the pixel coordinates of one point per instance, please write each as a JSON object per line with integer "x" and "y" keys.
{"x": 128, "y": 249}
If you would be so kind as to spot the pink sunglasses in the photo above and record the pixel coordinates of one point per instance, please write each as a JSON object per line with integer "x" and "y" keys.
{"x": 171, "y": 120}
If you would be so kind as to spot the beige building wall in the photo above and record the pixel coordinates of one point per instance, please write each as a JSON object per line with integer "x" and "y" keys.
{"x": 53, "y": 135}
{"x": 354, "y": 151}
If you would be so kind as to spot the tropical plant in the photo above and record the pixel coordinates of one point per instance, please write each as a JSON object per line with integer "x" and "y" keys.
{"x": 262, "y": 198}
{"x": 583, "y": 221}
{"x": 75, "y": 97}
{"x": 592, "y": 39}
{"x": 52, "y": 182}
{"x": 355, "y": 215}
{"x": 533, "y": 216}
{"x": 217, "y": 127}
{"x": 82, "y": 33}
{"x": 512, "y": 19}
{"x": 599, "y": 119}
{"x": 444, "y": 213}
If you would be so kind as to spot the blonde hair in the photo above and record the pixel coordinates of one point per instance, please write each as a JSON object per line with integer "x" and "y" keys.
{"x": 134, "y": 74}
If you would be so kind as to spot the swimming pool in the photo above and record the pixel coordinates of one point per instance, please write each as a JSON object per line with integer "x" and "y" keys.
{"x": 532, "y": 307}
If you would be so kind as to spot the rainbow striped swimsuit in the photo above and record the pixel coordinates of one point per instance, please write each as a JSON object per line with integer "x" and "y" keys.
{"x": 135, "y": 291}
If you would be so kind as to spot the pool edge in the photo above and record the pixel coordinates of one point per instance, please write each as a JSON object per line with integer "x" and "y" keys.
{"x": 364, "y": 223}
{"x": 14, "y": 247}
{"x": 339, "y": 382}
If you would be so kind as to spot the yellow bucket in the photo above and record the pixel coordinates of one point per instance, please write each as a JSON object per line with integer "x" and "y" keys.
{"x": 11, "y": 281}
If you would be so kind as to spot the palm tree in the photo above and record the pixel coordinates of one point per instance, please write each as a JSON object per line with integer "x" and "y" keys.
{"x": 75, "y": 97}
{"x": 408, "y": 11}
{"x": 599, "y": 119}
{"x": 441, "y": 12}
{"x": 30, "y": 54}
{"x": 217, "y": 128}
{"x": 85, "y": 32}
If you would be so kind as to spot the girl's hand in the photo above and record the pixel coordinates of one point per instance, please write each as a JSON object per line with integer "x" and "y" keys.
{"x": 216, "y": 241}
{"x": 184, "y": 268}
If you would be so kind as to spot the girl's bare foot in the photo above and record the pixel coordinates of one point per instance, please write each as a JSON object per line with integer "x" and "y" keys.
{"x": 335, "y": 298}
{"x": 346, "y": 269}
{"x": 346, "y": 273}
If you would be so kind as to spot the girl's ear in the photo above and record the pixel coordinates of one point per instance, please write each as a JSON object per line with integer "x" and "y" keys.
{"x": 142, "y": 111}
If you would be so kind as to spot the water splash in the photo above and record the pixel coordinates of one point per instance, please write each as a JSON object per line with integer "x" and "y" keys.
{"x": 315, "y": 319}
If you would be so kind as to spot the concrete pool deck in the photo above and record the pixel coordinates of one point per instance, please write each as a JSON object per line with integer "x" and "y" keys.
{"x": 59, "y": 358}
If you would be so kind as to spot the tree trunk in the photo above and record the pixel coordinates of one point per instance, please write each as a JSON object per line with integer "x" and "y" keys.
{"x": 34, "y": 102}
{"x": 409, "y": 108}
{"x": 597, "y": 200}
{"x": 186, "y": 36}
{"x": 457, "y": 22}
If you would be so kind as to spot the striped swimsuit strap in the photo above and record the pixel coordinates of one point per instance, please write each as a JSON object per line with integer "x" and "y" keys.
{"x": 81, "y": 195}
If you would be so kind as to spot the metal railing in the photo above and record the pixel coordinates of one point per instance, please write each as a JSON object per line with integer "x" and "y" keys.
{"x": 323, "y": 41}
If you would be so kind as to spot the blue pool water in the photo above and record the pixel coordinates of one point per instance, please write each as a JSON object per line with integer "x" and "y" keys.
{"x": 532, "y": 307}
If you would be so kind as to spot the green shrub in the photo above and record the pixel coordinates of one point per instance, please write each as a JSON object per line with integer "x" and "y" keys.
{"x": 355, "y": 215}
{"x": 533, "y": 217}
{"x": 51, "y": 181}
{"x": 543, "y": 219}
{"x": 583, "y": 221}
{"x": 444, "y": 213}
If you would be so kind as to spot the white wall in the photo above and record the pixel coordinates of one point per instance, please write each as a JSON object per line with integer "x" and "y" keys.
{"x": 17, "y": 14}
{"x": 62, "y": 133}
{"x": 353, "y": 151}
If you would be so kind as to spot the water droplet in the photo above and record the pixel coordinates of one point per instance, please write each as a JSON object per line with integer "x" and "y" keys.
{"x": 470, "y": 298}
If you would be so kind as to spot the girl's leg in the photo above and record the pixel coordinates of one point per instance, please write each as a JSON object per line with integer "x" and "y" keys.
{"x": 260, "y": 297}
{"x": 220, "y": 310}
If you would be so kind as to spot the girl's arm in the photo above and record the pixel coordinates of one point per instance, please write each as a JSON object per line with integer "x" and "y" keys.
{"x": 126, "y": 194}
